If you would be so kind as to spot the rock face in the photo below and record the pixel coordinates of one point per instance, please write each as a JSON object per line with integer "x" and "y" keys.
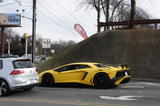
{"x": 138, "y": 48}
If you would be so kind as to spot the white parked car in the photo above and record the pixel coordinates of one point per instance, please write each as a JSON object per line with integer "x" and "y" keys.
{"x": 16, "y": 73}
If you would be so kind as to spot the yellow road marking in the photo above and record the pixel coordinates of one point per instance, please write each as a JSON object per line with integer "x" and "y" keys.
{"x": 80, "y": 103}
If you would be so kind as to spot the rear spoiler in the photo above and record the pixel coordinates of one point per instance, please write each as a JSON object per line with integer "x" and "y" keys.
{"x": 122, "y": 65}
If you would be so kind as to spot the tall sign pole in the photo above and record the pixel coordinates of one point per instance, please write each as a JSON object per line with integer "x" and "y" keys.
{"x": 34, "y": 31}
{"x": 25, "y": 35}
{"x": 9, "y": 45}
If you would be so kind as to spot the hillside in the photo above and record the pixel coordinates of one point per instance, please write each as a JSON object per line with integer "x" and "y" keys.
{"x": 139, "y": 48}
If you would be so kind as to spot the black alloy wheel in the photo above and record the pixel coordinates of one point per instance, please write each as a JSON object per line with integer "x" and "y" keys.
{"x": 4, "y": 88}
{"x": 102, "y": 81}
{"x": 47, "y": 80}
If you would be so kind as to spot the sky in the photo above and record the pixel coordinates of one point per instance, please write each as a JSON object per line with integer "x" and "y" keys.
{"x": 56, "y": 18}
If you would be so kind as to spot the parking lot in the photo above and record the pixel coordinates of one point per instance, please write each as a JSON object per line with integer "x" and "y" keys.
{"x": 134, "y": 93}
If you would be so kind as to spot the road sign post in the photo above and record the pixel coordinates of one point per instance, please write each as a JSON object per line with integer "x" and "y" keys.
{"x": 25, "y": 35}
{"x": 9, "y": 45}
{"x": 46, "y": 43}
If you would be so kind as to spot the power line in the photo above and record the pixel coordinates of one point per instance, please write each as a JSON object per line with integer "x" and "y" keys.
{"x": 8, "y": 4}
{"x": 26, "y": 5}
{"x": 48, "y": 17}
{"x": 20, "y": 2}
{"x": 51, "y": 13}
{"x": 51, "y": 19}
{"x": 70, "y": 14}
{"x": 62, "y": 23}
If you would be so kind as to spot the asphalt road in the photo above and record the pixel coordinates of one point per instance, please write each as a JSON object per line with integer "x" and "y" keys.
{"x": 131, "y": 94}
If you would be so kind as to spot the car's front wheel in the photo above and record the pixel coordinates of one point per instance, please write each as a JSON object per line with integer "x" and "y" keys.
{"x": 47, "y": 80}
{"x": 4, "y": 88}
{"x": 102, "y": 80}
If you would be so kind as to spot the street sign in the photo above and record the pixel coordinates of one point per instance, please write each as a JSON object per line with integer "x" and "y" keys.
{"x": 10, "y": 19}
{"x": 46, "y": 43}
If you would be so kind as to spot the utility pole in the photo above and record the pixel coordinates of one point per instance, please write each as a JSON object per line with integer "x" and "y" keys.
{"x": 34, "y": 31}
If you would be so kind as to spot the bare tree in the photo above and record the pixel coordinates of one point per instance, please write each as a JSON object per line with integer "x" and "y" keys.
{"x": 116, "y": 10}
{"x": 97, "y": 5}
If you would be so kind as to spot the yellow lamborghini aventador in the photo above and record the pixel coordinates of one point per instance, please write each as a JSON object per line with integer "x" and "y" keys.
{"x": 94, "y": 74}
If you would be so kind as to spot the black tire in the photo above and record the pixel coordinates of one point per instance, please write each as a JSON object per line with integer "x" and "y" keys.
{"x": 47, "y": 80}
{"x": 102, "y": 81}
{"x": 4, "y": 88}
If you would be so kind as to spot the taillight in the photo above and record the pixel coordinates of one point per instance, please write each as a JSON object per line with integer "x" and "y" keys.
{"x": 16, "y": 72}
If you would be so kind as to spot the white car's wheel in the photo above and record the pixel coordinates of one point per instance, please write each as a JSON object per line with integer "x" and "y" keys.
{"x": 4, "y": 89}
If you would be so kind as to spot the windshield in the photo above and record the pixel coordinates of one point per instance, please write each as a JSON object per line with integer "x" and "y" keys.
{"x": 23, "y": 63}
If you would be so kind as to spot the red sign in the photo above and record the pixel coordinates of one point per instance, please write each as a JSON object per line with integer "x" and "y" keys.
{"x": 80, "y": 30}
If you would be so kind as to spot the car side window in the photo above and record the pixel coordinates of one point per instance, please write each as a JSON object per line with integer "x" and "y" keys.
{"x": 84, "y": 66}
{"x": 1, "y": 64}
{"x": 71, "y": 67}
{"x": 66, "y": 68}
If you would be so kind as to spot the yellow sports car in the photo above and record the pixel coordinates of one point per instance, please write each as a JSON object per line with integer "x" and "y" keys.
{"x": 94, "y": 74}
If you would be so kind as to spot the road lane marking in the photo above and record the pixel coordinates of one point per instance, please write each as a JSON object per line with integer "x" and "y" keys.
{"x": 80, "y": 103}
{"x": 149, "y": 83}
{"x": 123, "y": 98}
{"x": 133, "y": 87}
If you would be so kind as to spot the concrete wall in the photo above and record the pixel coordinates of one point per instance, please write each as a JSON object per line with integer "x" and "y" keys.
{"x": 138, "y": 48}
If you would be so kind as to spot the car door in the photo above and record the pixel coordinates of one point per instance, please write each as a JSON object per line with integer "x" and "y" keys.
{"x": 70, "y": 73}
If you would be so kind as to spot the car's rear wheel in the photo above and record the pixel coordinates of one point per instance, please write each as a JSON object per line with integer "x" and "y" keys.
{"x": 4, "y": 88}
{"x": 47, "y": 80}
{"x": 102, "y": 80}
